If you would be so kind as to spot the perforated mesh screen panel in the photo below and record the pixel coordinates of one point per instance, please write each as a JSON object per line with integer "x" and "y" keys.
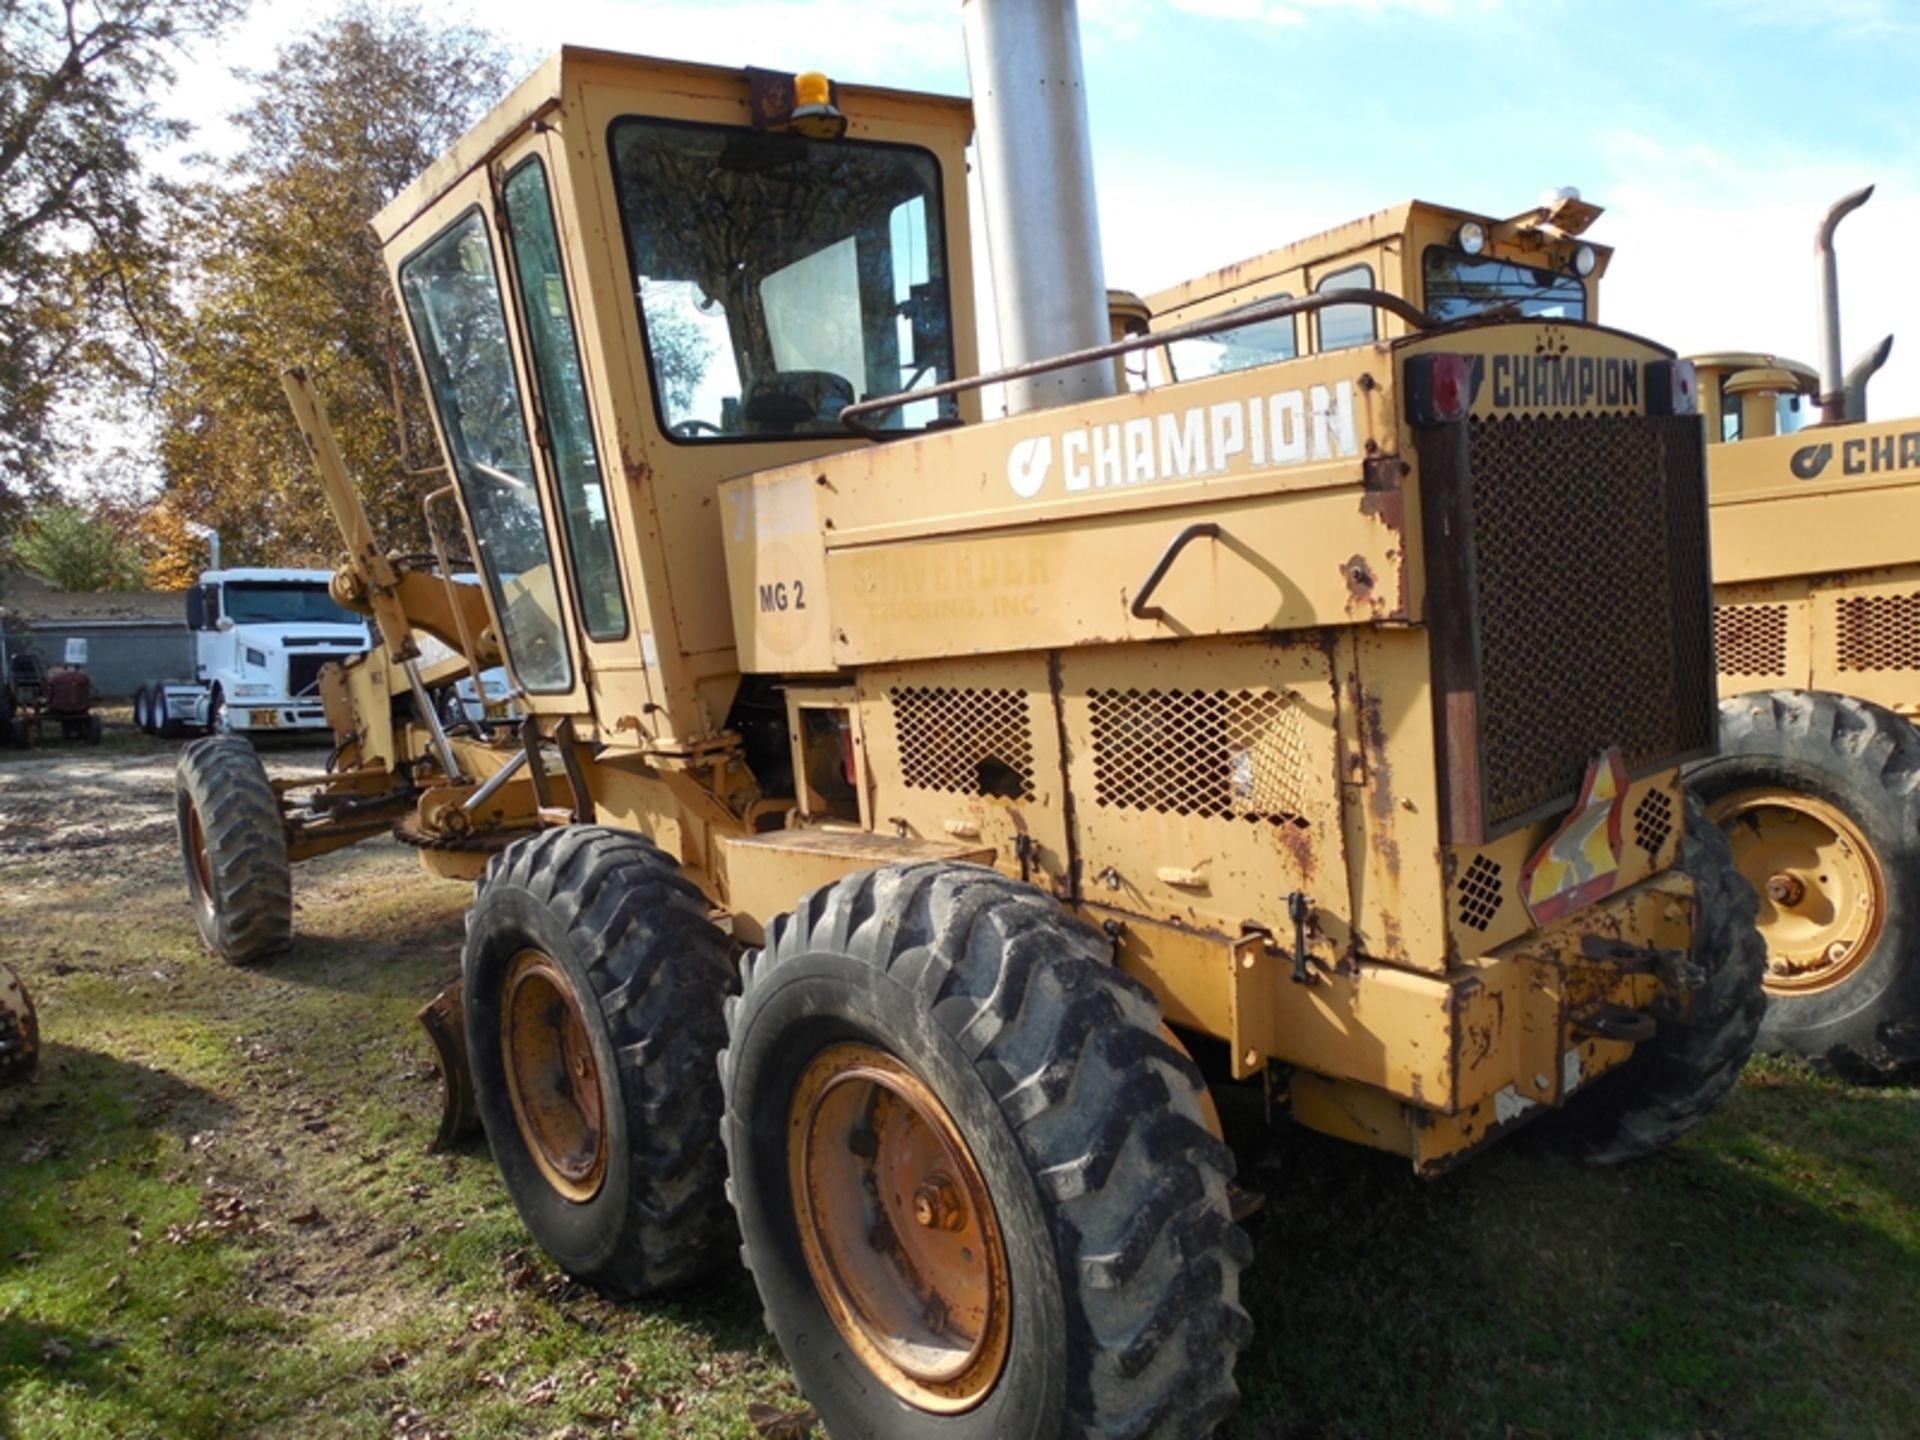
{"x": 1594, "y": 608}
{"x": 1879, "y": 632}
{"x": 964, "y": 742}
{"x": 1230, "y": 754}
{"x": 1653, "y": 821}
{"x": 1751, "y": 639}
{"x": 1480, "y": 893}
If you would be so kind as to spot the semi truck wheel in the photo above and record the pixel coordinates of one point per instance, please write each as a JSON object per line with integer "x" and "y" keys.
{"x": 1820, "y": 797}
{"x": 166, "y": 724}
{"x": 593, "y": 990}
{"x": 1673, "y": 1081}
{"x": 235, "y": 850}
{"x": 142, "y": 711}
{"x": 977, "y": 1190}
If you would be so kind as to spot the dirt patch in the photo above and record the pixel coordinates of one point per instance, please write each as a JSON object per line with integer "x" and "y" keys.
{"x": 95, "y": 808}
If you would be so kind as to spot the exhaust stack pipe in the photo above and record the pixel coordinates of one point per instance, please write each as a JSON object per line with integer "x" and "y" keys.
{"x": 1036, "y": 179}
{"x": 1863, "y": 369}
{"x": 1833, "y": 384}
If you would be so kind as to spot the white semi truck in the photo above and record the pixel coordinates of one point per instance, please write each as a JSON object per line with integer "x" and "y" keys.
{"x": 260, "y": 638}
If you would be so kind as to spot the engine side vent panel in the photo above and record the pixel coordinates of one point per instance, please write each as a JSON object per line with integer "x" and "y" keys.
{"x": 964, "y": 742}
{"x": 1751, "y": 639}
{"x": 1223, "y": 754}
{"x": 1878, "y": 632}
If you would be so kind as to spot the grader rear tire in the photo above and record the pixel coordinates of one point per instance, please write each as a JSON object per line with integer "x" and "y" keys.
{"x": 1675, "y": 1080}
{"x": 593, "y": 990}
{"x": 235, "y": 850}
{"x": 1820, "y": 797}
{"x": 977, "y": 1191}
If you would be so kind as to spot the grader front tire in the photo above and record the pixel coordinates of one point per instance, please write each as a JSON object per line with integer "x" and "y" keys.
{"x": 593, "y": 985}
{"x": 235, "y": 850}
{"x": 976, "y": 1186}
{"x": 1675, "y": 1080}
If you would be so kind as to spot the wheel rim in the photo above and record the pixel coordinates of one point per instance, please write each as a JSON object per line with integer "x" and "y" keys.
{"x": 898, "y": 1228}
{"x": 199, "y": 859}
{"x": 553, "y": 1079}
{"x": 1823, "y": 893}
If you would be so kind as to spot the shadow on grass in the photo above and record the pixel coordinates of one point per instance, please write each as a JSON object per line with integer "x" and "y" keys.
{"x": 29, "y": 1351}
{"x": 1525, "y": 1298}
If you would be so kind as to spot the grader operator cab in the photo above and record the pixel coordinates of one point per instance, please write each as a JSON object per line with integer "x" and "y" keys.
{"x": 907, "y": 801}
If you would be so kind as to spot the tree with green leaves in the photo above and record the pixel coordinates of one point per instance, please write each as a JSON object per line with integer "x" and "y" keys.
{"x": 79, "y": 548}
{"x": 282, "y": 269}
{"x": 83, "y": 279}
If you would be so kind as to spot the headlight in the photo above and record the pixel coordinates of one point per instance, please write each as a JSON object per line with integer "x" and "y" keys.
{"x": 1471, "y": 237}
{"x": 1584, "y": 259}
{"x": 239, "y": 690}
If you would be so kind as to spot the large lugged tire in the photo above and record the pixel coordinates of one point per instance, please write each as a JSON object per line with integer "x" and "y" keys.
{"x": 976, "y": 1188}
{"x": 19, "y": 1030}
{"x": 1673, "y": 1081}
{"x": 1820, "y": 797}
{"x": 593, "y": 989}
{"x": 235, "y": 850}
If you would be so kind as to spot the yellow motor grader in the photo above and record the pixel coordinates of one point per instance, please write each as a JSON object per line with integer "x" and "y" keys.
{"x": 919, "y": 816}
{"x": 1816, "y": 559}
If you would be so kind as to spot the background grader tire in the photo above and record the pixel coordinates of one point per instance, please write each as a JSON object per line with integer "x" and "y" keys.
{"x": 976, "y": 1188}
{"x": 19, "y": 1031}
{"x": 1820, "y": 798}
{"x": 593, "y": 987}
{"x": 234, "y": 849}
{"x": 1675, "y": 1080}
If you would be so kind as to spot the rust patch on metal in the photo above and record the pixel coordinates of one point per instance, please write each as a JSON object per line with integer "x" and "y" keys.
{"x": 1359, "y": 577}
{"x": 1298, "y": 844}
{"x": 1382, "y": 495}
{"x": 636, "y": 469}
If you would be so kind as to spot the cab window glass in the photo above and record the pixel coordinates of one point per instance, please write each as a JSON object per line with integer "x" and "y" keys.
{"x": 1343, "y": 326}
{"x": 1460, "y": 285}
{"x": 563, "y": 401}
{"x": 781, "y": 279}
{"x": 453, "y": 302}
{"x": 1241, "y": 348}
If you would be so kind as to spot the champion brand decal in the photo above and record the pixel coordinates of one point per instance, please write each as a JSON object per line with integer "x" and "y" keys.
{"x": 1290, "y": 427}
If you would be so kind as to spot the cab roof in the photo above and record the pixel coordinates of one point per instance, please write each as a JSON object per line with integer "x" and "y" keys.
{"x": 545, "y": 88}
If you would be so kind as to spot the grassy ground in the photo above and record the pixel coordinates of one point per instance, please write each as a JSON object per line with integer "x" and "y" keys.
{"x": 217, "y": 1216}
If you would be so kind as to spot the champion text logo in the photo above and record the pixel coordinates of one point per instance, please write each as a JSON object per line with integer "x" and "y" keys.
{"x": 1287, "y": 428}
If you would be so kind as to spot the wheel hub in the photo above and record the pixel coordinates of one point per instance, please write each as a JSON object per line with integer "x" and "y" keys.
{"x": 202, "y": 861}
{"x": 553, "y": 1079}
{"x": 898, "y": 1229}
{"x": 1823, "y": 892}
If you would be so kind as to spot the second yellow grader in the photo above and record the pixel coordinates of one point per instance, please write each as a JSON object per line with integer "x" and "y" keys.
{"x": 918, "y": 816}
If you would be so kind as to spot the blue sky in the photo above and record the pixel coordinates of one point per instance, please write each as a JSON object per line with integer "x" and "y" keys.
{"x": 1714, "y": 131}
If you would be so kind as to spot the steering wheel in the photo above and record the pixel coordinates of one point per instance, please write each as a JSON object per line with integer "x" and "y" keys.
{"x": 694, "y": 427}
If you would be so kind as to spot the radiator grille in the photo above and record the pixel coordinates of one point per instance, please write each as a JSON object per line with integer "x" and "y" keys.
{"x": 1751, "y": 639}
{"x": 1227, "y": 754}
{"x": 1879, "y": 632}
{"x": 964, "y": 742}
{"x": 303, "y": 673}
{"x": 1594, "y": 607}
